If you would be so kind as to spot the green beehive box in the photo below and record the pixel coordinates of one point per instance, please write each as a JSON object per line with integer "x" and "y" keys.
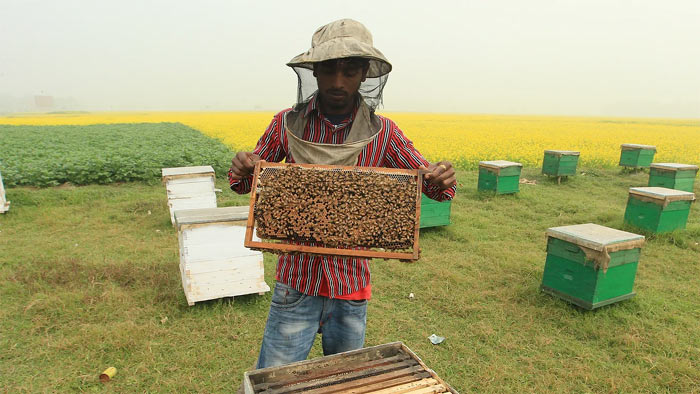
{"x": 634, "y": 155}
{"x": 658, "y": 209}
{"x": 673, "y": 176}
{"x": 560, "y": 162}
{"x": 500, "y": 176}
{"x": 434, "y": 213}
{"x": 591, "y": 265}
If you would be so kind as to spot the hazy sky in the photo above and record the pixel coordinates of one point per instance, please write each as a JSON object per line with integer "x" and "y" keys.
{"x": 594, "y": 57}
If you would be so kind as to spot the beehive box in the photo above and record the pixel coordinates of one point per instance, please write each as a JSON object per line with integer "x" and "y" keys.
{"x": 4, "y": 204}
{"x": 434, "y": 213}
{"x": 189, "y": 188}
{"x": 673, "y": 176}
{"x": 658, "y": 209}
{"x": 335, "y": 210}
{"x": 500, "y": 176}
{"x": 637, "y": 156}
{"x": 388, "y": 368}
{"x": 213, "y": 261}
{"x": 560, "y": 163}
{"x": 591, "y": 265}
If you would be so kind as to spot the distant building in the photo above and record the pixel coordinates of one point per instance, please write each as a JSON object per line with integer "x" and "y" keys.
{"x": 43, "y": 102}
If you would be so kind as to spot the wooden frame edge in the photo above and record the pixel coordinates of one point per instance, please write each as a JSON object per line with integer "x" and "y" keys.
{"x": 291, "y": 248}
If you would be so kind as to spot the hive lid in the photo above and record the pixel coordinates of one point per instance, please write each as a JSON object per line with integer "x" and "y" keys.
{"x": 636, "y": 146}
{"x": 211, "y": 215}
{"x": 499, "y": 164}
{"x": 674, "y": 166}
{"x": 596, "y": 237}
{"x": 195, "y": 170}
{"x": 563, "y": 152}
{"x": 662, "y": 194}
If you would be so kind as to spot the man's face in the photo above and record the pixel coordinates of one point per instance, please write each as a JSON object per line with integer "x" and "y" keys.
{"x": 338, "y": 81}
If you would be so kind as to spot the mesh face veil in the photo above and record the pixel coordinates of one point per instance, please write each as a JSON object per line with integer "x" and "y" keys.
{"x": 342, "y": 39}
{"x": 370, "y": 89}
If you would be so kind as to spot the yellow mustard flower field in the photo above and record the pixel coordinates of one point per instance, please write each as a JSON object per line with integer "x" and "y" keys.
{"x": 462, "y": 139}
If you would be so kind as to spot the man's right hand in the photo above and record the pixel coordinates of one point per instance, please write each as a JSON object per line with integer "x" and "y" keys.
{"x": 243, "y": 165}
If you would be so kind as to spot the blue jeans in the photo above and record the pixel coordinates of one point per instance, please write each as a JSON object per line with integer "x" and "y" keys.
{"x": 295, "y": 318}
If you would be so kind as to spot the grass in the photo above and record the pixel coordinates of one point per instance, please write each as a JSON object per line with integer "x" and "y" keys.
{"x": 89, "y": 279}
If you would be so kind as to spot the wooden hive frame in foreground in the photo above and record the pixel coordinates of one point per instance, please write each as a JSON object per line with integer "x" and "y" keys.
{"x": 388, "y": 368}
{"x": 411, "y": 178}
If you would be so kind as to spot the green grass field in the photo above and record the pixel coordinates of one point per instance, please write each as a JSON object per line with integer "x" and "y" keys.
{"x": 89, "y": 279}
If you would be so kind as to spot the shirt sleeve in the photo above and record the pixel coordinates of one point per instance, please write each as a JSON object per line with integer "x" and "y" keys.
{"x": 402, "y": 154}
{"x": 270, "y": 147}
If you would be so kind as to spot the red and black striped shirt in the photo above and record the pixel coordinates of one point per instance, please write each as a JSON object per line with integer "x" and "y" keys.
{"x": 390, "y": 149}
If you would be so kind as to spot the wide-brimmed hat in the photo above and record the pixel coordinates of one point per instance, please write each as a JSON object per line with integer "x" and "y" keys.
{"x": 341, "y": 39}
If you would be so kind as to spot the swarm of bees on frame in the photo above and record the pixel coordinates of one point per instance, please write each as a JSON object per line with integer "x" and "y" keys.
{"x": 336, "y": 208}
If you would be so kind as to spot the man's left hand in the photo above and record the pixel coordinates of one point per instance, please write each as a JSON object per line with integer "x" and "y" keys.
{"x": 441, "y": 174}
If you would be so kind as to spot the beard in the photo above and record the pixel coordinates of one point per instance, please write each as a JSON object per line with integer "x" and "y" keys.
{"x": 336, "y": 100}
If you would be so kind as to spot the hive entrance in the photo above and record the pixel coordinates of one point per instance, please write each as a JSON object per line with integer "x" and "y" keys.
{"x": 350, "y": 211}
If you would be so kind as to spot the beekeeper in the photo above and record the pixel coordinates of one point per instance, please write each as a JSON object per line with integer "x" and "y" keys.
{"x": 341, "y": 79}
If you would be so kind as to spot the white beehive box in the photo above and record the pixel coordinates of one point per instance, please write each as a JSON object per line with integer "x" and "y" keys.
{"x": 189, "y": 188}
{"x": 4, "y": 204}
{"x": 213, "y": 261}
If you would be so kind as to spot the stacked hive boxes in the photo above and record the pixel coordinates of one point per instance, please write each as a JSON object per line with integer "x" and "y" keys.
{"x": 213, "y": 261}
{"x": 591, "y": 265}
{"x": 189, "y": 188}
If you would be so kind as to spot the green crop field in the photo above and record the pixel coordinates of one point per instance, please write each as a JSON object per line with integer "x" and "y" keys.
{"x": 89, "y": 279}
{"x": 53, "y": 155}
